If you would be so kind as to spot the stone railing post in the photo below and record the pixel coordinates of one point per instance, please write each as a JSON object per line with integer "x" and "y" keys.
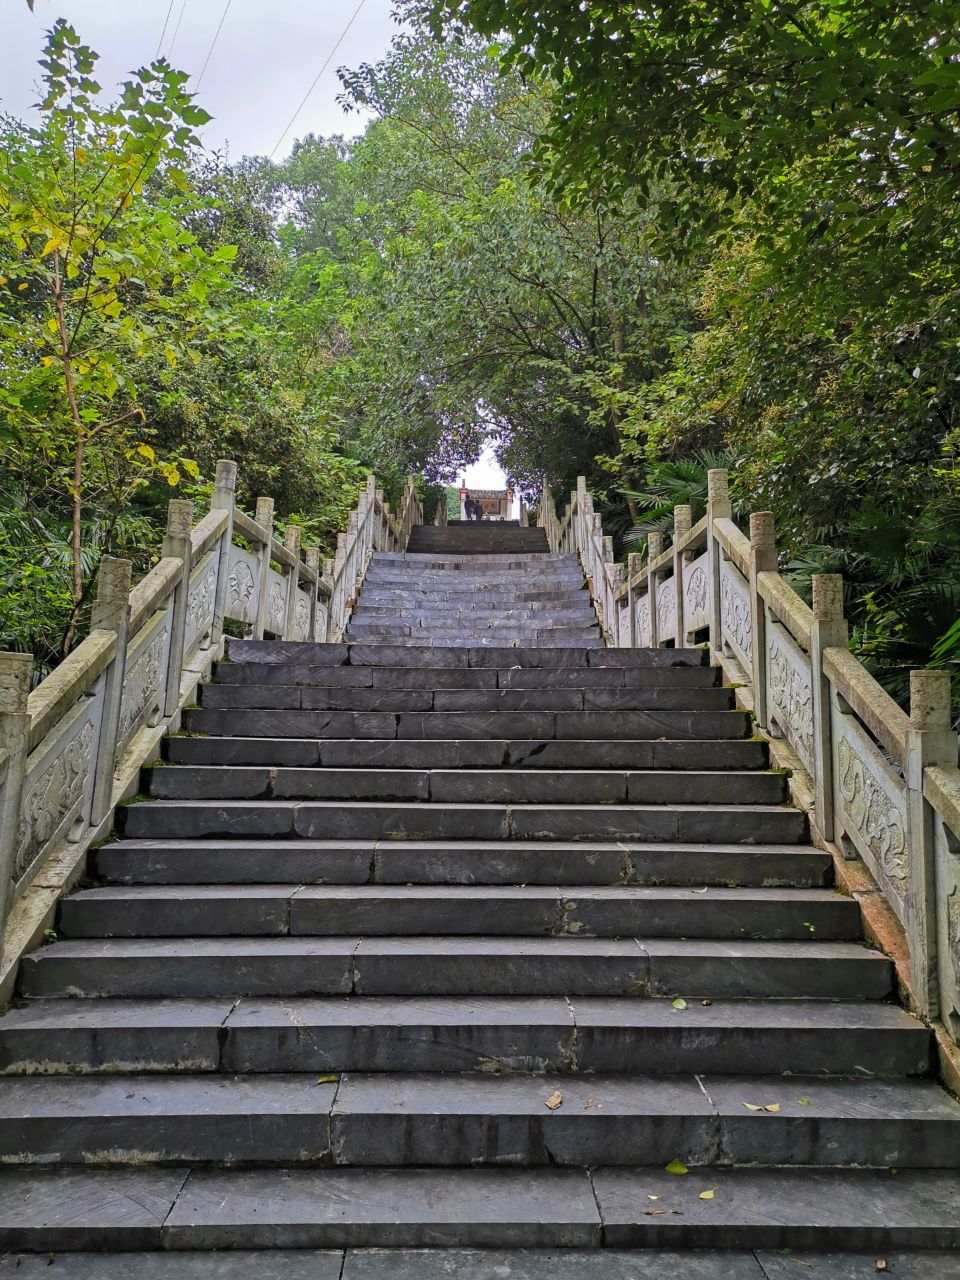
{"x": 654, "y": 549}
{"x": 829, "y": 631}
{"x": 177, "y": 543}
{"x": 223, "y": 498}
{"x": 682, "y": 524}
{"x": 311, "y": 557}
{"x": 291, "y": 542}
{"x": 718, "y": 508}
{"x": 763, "y": 558}
{"x": 111, "y": 612}
{"x": 930, "y": 741}
{"x": 264, "y": 517}
{"x": 634, "y": 565}
{"x": 15, "y": 672}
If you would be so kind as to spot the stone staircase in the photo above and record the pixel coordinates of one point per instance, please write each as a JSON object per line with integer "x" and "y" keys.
{"x": 430, "y": 954}
{"x": 491, "y": 584}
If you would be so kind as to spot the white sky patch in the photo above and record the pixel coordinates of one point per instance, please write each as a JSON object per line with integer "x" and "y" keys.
{"x": 262, "y": 64}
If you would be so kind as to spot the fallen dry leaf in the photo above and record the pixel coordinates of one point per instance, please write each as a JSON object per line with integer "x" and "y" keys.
{"x": 676, "y": 1166}
{"x": 710, "y": 1194}
{"x": 703, "y": 890}
{"x": 554, "y": 1100}
{"x": 880, "y": 1264}
{"x": 772, "y": 1107}
{"x": 706, "y": 1002}
{"x": 653, "y": 1197}
{"x": 654, "y": 1213}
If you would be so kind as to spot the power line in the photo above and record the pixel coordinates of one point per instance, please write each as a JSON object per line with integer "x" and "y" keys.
{"x": 176, "y": 30}
{"x": 316, "y": 78}
{"x": 164, "y": 31}
{"x": 213, "y": 42}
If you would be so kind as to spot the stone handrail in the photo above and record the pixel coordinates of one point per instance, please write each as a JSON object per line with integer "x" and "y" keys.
{"x": 580, "y": 533}
{"x": 880, "y": 784}
{"x": 72, "y": 749}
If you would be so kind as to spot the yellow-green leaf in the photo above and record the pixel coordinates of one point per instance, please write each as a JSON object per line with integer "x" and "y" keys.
{"x": 708, "y": 1195}
{"x": 677, "y": 1167}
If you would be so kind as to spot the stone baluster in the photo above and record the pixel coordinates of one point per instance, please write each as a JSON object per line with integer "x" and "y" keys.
{"x": 682, "y": 524}
{"x": 15, "y": 672}
{"x": 291, "y": 542}
{"x": 634, "y": 566}
{"x": 718, "y": 508}
{"x": 264, "y": 517}
{"x": 763, "y": 557}
{"x": 311, "y": 556}
{"x": 829, "y": 631}
{"x": 223, "y": 498}
{"x": 177, "y": 543}
{"x": 930, "y": 741}
{"x": 654, "y": 549}
{"x": 111, "y": 612}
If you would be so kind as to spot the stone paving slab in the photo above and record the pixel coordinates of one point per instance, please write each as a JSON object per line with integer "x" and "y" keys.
{"x": 228, "y": 1264}
{"x": 385, "y": 1207}
{"x": 413, "y": 1034}
{"x": 88, "y": 1209}
{"x": 569, "y": 1264}
{"x": 778, "y": 1208}
{"x": 113, "y": 1035}
{"x": 801, "y": 1036}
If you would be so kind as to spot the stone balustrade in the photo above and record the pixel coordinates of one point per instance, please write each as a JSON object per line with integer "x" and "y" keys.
{"x": 882, "y": 785}
{"x": 72, "y": 749}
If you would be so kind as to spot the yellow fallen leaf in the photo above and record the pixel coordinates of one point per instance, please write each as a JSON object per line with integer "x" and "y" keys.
{"x": 653, "y": 1197}
{"x": 326, "y": 1080}
{"x": 709, "y": 1195}
{"x": 554, "y": 1100}
{"x": 676, "y": 1166}
{"x": 880, "y": 1264}
{"x": 772, "y": 1107}
{"x": 752, "y": 1106}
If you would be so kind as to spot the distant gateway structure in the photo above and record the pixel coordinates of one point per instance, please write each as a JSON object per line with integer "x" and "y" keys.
{"x": 497, "y": 504}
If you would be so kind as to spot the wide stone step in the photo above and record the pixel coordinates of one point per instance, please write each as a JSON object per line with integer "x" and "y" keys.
{"x": 556, "y": 579}
{"x": 423, "y": 639}
{"x": 592, "y": 725}
{"x": 439, "y": 616}
{"x": 398, "y": 862}
{"x": 467, "y": 786}
{"x": 524, "y": 593}
{"x": 306, "y": 653}
{"x": 437, "y": 559}
{"x": 435, "y": 1034}
{"x": 361, "y": 819}
{"x": 478, "y": 1120}
{"x": 498, "y": 633}
{"x": 482, "y": 1264}
{"x": 111, "y": 1210}
{"x": 291, "y": 966}
{"x": 163, "y": 911}
{"x": 469, "y": 753}
{"x": 313, "y": 698}
{"x": 432, "y": 678}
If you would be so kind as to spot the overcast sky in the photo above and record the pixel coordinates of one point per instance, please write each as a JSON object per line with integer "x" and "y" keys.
{"x": 262, "y": 64}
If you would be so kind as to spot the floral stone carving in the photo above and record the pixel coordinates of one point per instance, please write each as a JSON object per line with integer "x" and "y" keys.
{"x": 793, "y": 698}
{"x": 876, "y": 819}
{"x": 141, "y": 684}
{"x": 200, "y": 603}
{"x": 240, "y": 584}
{"x": 735, "y": 615}
{"x": 275, "y": 608}
{"x": 49, "y": 798}
{"x": 697, "y": 591}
